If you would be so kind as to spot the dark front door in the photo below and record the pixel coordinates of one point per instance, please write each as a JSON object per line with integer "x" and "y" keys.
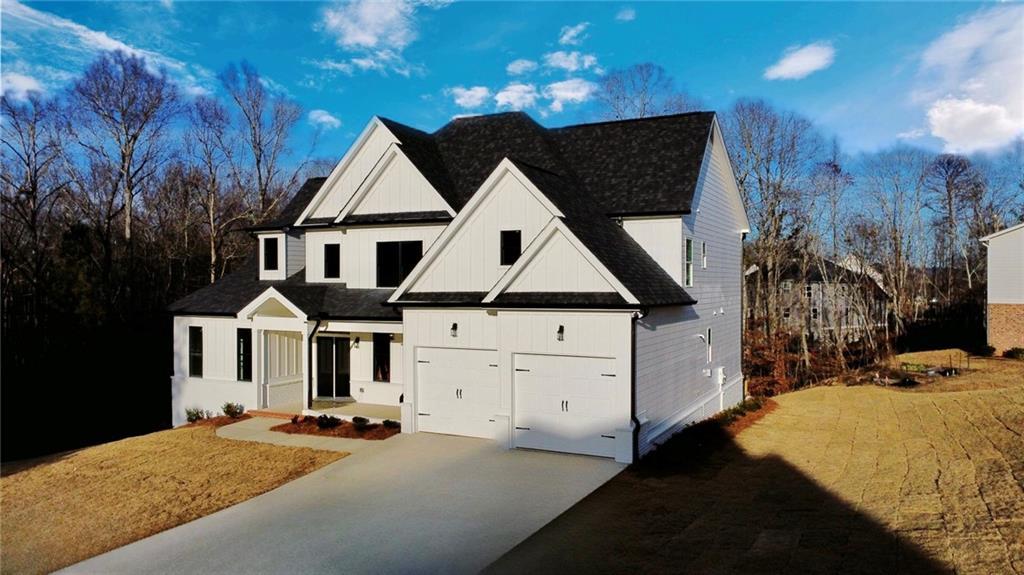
{"x": 332, "y": 367}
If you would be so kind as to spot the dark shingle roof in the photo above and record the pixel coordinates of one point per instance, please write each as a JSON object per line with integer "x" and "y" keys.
{"x": 293, "y": 209}
{"x": 447, "y": 297}
{"x": 396, "y": 218}
{"x": 335, "y": 301}
{"x": 558, "y": 299}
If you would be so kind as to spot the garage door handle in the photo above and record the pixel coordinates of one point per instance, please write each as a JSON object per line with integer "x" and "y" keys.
{"x": 422, "y": 361}
{"x": 422, "y": 414}
{"x": 607, "y": 375}
{"x": 492, "y": 365}
{"x": 521, "y": 369}
{"x": 523, "y": 428}
{"x": 608, "y": 436}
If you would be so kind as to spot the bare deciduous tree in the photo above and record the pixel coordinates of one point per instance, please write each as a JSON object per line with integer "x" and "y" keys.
{"x": 640, "y": 91}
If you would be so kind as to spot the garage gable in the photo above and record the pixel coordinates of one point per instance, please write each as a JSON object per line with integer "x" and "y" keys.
{"x": 467, "y": 255}
{"x": 350, "y": 172}
{"x": 557, "y": 262}
{"x": 394, "y": 185}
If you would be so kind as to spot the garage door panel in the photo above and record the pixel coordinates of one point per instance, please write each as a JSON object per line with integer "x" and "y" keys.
{"x": 457, "y": 391}
{"x": 566, "y": 403}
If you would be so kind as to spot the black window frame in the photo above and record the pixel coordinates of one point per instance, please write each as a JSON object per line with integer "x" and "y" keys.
{"x": 243, "y": 354}
{"x": 382, "y": 357}
{"x": 395, "y": 260}
{"x": 332, "y": 260}
{"x": 271, "y": 261}
{"x": 511, "y": 246}
{"x": 195, "y": 351}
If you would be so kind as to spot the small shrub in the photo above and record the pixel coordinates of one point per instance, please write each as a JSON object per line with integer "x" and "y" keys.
{"x": 392, "y": 424}
{"x": 308, "y": 419}
{"x": 296, "y": 419}
{"x": 233, "y": 410}
{"x": 360, "y": 423}
{"x": 1014, "y": 353}
{"x": 327, "y": 422}
{"x": 986, "y": 351}
{"x": 194, "y": 414}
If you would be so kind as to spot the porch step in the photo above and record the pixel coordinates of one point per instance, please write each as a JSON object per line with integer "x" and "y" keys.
{"x": 273, "y": 414}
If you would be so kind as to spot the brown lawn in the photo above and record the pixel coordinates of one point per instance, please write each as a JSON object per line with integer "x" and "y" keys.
{"x": 837, "y": 479}
{"x": 975, "y": 372}
{"x": 59, "y": 510}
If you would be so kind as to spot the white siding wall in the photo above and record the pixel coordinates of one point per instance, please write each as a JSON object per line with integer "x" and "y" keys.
{"x": 1006, "y": 268}
{"x": 471, "y": 261}
{"x": 672, "y": 388}
{"x": 218, "y": 384}
{"x": 359, "y": 250}
{"x": 363, "y": 388}
{"x": 295, "y": 253}
{"x": 338, "y": 192}
{"x": 399, "y": 188}
{"x": 660, "y": 237}
{"x": 560, "y": 267}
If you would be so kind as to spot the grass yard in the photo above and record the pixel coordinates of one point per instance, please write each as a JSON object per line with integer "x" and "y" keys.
{"x": 61, "y": 509}
{"x": 976, "y": 372}
{"x": 861, "y": 479}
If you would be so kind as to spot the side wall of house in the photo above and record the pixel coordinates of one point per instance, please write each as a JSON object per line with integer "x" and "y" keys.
{"x": 676, "y": 383}
{"x": 660, "y": 237}
{"x": 219, "y": 383}
{"x": 295, "y": 252}
{"x": 1006, "y": 268}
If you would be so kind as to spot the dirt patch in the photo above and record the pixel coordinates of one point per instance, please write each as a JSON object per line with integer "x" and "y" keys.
{"x": 65, "y": 508}
{"x": 837, "y": 480}
{"x": 926, "y": 371}
{"x": 308, "y": 426}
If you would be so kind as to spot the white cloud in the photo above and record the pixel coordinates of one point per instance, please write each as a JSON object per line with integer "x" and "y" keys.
{"x": 626, "y": 15}
{"x": 54, "y": 49}
{"x": 332, "y": 65}
{"x": 911, "y": 134}
{"x": 520, "y": 66}
{"x": 573, "y": 35}
{"x": 517, "y": 96}
{"x": 970, "y": 81}
{"x": 17, "y": 86}
{"x": 570, "y": 61}
{"x": 573, "y": 90}
{"x": 376, "y": 31}
{"x": 323, "y": 119}
{"x": 470, "y": 97}
{"x": 169, "y": 4}
{"x": 968, "y": 126}
{"x": 801, "y": 61}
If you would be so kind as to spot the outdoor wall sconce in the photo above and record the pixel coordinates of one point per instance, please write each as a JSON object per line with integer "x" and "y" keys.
{"x": 455, "y": 330}
{"x": 355, "y": 342}
{"x": 561, "y": 333}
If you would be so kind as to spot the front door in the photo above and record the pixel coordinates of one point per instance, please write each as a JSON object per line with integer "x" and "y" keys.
{"x": 332, "y": 367}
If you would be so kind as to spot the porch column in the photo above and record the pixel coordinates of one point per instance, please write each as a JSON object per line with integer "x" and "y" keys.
{"x": 307, "y": 365}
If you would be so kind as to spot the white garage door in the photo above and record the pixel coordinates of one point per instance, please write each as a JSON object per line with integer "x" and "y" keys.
{"x": 457, "y": 391}
{"x": 565, "y": 403}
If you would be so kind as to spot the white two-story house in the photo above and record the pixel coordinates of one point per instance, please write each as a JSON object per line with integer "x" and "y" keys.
{"x": 574, "y": 289}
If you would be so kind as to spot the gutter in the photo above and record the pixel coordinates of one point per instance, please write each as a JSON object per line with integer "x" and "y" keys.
{"x": 309, "y": 360}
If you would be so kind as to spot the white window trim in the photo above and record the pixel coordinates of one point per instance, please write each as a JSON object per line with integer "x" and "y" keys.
{"x": 710, "y": 348}
{"x": 688, "y": 262}
{"x": 703, "y": 255}
{"x": 282, "y": 265}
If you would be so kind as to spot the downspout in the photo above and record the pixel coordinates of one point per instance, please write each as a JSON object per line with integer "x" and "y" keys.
{"x": 632, "y": 386}
{"x": 309, "y": 361}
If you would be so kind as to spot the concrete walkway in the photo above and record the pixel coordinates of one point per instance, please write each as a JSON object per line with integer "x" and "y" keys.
{"x": 417, "y": 503}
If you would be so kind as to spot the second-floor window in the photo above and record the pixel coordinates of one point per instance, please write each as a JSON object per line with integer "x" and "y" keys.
{"x": 689, "y": 263}
{"x": 332, "y": 261}
{"x": 395, "y": 260}
{"x": 703, "y": 255}
{"x": 511, "y": 246}
{"x": 270, "y": 254}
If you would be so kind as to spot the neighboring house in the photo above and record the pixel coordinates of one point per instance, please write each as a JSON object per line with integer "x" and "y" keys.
{"x": 573, "y": 289}
{"x": 1005, "y": 304}
{"x": 827, "y": 296}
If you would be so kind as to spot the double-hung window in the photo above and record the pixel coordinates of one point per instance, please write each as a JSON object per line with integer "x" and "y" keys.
{"x": 689, "y": 263}
{"x": 395, "y": 260}
{"x": 332, "y": 261}
{"x": 709, "y": 346}
{"x": 195, "y": 351}
{"x": 703, "y": 255}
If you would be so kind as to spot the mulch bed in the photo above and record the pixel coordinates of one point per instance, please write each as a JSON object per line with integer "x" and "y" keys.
{"x": 345, "y": 429}
{"x": 218, "y": 421}
{"x": 751, "y": 417}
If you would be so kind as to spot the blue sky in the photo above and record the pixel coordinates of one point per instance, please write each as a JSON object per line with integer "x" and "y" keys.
{"x": 940, "y": 75}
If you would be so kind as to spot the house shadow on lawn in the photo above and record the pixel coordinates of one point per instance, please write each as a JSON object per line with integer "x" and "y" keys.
{"x": 700, "y": 504}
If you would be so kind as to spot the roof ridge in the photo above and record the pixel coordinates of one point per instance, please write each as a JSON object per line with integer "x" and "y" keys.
{"x": 629, "y": 120}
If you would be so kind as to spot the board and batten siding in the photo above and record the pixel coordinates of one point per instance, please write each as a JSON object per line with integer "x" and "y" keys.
{"x": 471, "y": 260}
{"x": 1006, "y": 268}
{"x": 218, "y": 384}
{"x": 338, "y": 190}
{"x": 660, "y": 237}
{"x": 361, "y": 384}
{"x": 359, "y": 250}
{"x": 559, "y": 267}
{"x": 399, "y": 187}
{"x": 673, "y": 388}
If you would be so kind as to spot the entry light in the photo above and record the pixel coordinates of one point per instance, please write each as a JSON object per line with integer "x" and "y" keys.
{"x": 355, "y": 342}
{"x": 561, "y": 333}
{"x": 455, "y": 330}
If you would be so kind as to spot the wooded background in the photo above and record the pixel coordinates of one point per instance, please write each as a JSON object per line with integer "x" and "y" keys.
{"x": 122, "y": 194}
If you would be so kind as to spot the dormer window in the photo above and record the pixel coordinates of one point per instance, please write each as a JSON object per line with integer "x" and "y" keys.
{"x": 332, "y": 261}
{"x": 270, "y": 254}
{"x": 511, "y": 246}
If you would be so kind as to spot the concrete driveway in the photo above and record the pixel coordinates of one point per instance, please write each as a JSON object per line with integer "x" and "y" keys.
{"x": 417, "y": 503}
